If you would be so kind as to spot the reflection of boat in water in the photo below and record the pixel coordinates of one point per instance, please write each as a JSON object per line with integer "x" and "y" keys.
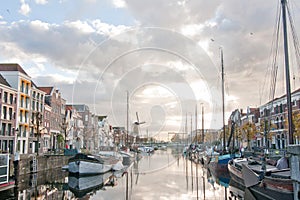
{"x": 236, "y": 190}
{"x": 222, "y": 179}
{"x": 81, "y": 185}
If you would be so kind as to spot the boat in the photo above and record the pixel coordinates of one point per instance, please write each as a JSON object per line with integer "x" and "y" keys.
{"x": 274, "y": 184}
{"x": 113, "y": 155}
{"x": 263, "y": 183}
{"x": 89, "y": 164}
{"x": 235, "y": 167}
{"x": 145, "y": 149}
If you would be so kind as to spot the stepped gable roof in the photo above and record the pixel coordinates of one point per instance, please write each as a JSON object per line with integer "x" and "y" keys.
{"x": 3, "y": 81}
{"x": 12, "y": 67}
{"x": 47, "y": 90}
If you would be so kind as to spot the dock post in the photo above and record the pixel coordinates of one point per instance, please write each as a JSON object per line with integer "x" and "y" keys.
{"x": 294, "y": 151}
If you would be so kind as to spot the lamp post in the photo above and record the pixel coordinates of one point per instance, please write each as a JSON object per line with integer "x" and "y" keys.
{"x": 202, "y": 122}
{"x": 64, "y": 127}
{"x": 16, "y": 132}
{"x": 38, "y": 122}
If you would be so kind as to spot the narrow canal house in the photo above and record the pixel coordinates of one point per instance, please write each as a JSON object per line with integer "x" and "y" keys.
{"x": 56, "y": 105}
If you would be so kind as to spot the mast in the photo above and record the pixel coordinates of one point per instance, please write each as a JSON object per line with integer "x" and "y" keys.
{"x": 287, "y": 73}
{"x": 186, "y": 128}
{"x": 191, "y": 128}
{"x": 202, "y": 124}
{"x": 223, "y": 101}
{"x": 196, "y": 121}
{"x": 127, "y": 118}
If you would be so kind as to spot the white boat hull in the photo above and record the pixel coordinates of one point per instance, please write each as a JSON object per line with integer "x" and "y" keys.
{"x": 85, "y": 167}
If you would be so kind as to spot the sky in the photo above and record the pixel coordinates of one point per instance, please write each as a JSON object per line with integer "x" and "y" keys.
{"x": 164, "y": 54}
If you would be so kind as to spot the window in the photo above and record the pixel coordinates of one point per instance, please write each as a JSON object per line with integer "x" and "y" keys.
{"x": 9, "y": 132}
{"x": 22, "y": 86}
{"x": 10, "y": 114}
{"x": 26, "y": 116}
{"x": 3, "y": 129}
{"x": 22, "y": 101}
{"x": 31, "y": 132}
{"x": 11, "y": 98}
{"x": 4, "y": 112}
{"x": 21, "y": 116}
{"x": 33, "y": 94}
{"x": 5, "y": 97}
{"x": 27, "y": 102}
{"x": 33, "y": 105}
{"x": 26, "y": 90}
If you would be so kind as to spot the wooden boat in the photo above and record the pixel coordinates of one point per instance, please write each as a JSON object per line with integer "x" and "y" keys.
{"x": 273, "y": 183}
{"x": 235, "y": 168}
{"x": 89, "y": 164}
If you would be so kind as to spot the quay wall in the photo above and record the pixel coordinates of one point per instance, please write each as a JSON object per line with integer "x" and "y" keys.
{"x": 46, "y": 177}
{"x": 43, "y": 162}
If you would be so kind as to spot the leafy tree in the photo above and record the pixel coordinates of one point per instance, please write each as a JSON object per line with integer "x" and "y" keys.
{"x": 60, "y": 140}
{"x": 296, "y": 123}
{"x": 249, "y": 130}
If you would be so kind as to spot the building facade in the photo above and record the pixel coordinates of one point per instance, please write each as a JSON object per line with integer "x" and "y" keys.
{"x": 8, "y": 107}
{"x": 54, "y": 100}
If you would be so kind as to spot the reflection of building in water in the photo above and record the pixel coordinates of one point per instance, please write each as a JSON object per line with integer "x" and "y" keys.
{"x": 42, "y": 185}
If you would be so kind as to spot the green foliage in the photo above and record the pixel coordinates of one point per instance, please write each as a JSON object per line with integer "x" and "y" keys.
{"x": 60, "y": 140}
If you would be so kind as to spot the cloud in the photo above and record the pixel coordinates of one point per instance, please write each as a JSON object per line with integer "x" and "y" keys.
{"x": 101, "y": 61}
{"x": 41, "y": 2}
{"x": 119, "y": 3}
{"x": 24, "y": 9}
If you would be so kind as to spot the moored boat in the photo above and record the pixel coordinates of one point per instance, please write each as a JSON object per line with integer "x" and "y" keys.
{"x": 271, "y": 183}
{"x": 145, "y": 149}
{"x": 89, "y": 164}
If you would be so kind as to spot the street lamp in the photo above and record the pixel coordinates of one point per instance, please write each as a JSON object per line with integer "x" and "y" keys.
{"x": 16, "y": 131}
{"x": 36, "y": 124}
{"x": 64, "y": 126}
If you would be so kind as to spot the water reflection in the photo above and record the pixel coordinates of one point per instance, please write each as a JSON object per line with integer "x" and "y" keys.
{"x": 166, "y": 174}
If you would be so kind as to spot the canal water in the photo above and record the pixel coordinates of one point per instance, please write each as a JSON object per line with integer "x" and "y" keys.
{"x": 164, "y": 175}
